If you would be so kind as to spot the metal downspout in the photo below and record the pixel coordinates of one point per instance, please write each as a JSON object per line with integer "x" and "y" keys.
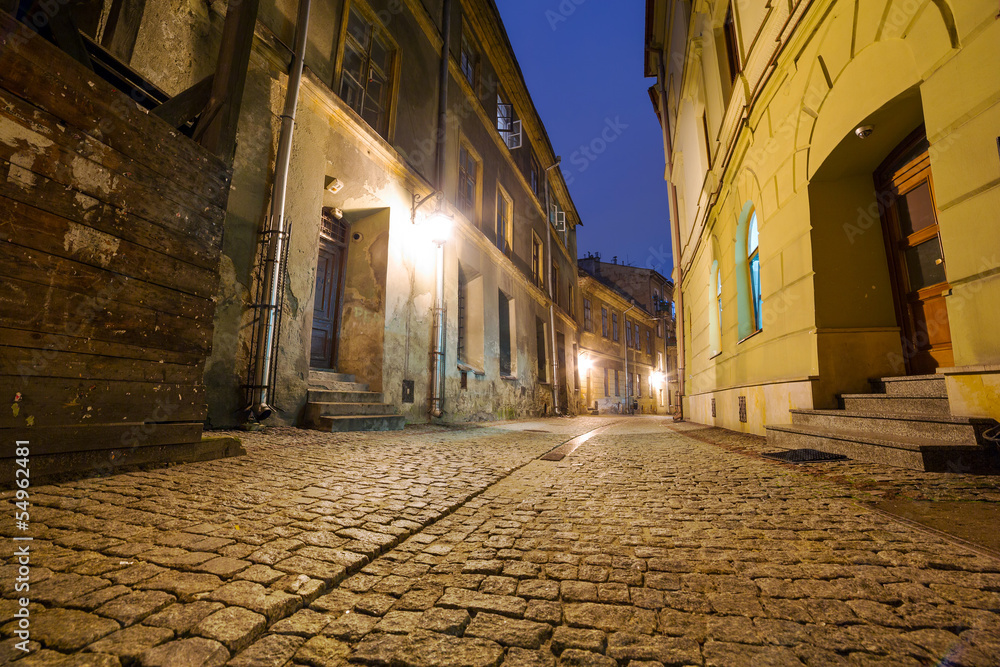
{"x": 275, "y": 251}
{"x": 628, "y": 402}
{"x": 552, "y": 310}
{"x": 675, "y": 236}
{"x": 437, "y": 380}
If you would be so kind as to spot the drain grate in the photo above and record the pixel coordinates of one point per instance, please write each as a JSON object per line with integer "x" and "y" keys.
{"x": 804, "y": 456}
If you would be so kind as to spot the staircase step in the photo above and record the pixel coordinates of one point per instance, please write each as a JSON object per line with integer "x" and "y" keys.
{"x": 914, "y": 386}
{"x": 362, "y": 423}
{"x": 926, "y": 454}
{"x": 895, "y": 405}
{"x": 330, "y": 381}
{"x": 318, "y": 410}
{"x": 337, "y": 396}
{"x": 961, "y": 430}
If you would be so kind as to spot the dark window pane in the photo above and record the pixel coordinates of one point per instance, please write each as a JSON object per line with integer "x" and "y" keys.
{"x": 916, "y": 210}
{"x": 359, "y": 29}
{"x": 351, "y": 93}
{"x": 380, "y": 54}
{"x": 504, "y": 312}
{"x": 922, "y": 266}
{"x": 354, "y": 62}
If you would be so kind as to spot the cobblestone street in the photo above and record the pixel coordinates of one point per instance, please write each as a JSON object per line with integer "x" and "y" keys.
{"x": 449, "y": 547}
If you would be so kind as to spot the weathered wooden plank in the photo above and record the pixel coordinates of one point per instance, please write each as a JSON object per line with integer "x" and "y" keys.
{"x": 37, "y": 154}
{"x": 24, "y": 123}
{"x": 27, "y": 363}
{"x": 54, "y": 251}
{"x": 41, "y": 346}
{"x": 186, "y": 105}
{"x": 33, "y": 307}
{"x": 65, "y": 439}
{"x": 20, "y": 185}
{"x": 67, "y": 90}
{"x": 62, "y": 401}
{"x": 122, "y": 28}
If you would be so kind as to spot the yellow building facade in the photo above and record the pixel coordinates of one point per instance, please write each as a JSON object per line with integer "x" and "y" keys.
{"x": 835, "y": 184}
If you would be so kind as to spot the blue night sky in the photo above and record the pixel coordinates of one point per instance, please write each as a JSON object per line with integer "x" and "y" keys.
{"x": 582, "y": 60}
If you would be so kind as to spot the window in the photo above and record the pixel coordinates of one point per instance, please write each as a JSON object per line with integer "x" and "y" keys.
{"x": 505, "y": 226}
{"x": 471, "y": 343}
{"x": 572, "y": 299}
{"x": 533, "y": 171}
{"x": 614, "y": 326}
{"x": 555, "y": 285}
{"x": 604, "y": 321}
{"x": 732, "y": 45}
{"x": 753, "y": 261}
{"x": 588, "y": 324}
{"x": 618, "y": 391}
{"x": 366, "y": 69}
{"x": 607, "y": 391}
{"x": 468, "y": 178}
{"x": 628, "y": 333}
{"x": 638, "y": 385}
{"x": 506, "y": 318}
{"x": 469, "y": 62}
{"x": 636, "y": 339}
{"x": 718, "y": 298}
{"x": 509, "y": 129}
{"x": 649, "y": 342}
{"x": 536, "y": 260}
{"x": 659, "y": 361}
{"x": 659, "y": 329}
{"x": 540, "y": 339}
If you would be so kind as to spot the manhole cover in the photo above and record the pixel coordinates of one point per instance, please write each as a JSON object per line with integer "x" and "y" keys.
{"x": 804, "y": 456}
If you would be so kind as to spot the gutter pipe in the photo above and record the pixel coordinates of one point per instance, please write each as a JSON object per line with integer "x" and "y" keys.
{"x": 266, "y": 342}
{"x": 552, "y": 310}
{"x": 437, "y": 372}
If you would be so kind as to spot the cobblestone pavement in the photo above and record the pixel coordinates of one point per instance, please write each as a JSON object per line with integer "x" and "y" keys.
{"x": 451, "y": 548}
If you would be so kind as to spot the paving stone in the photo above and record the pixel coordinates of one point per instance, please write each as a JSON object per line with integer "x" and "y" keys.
{"x": 428, "y": 649}
{"x": 445, "y": 621}
{"x": 576, "y": 658}
{"x": 304, "y": 622}
{"x": 223, "y": 566}
{"x": 544, "y": 611}
{"x": 495, "y": 585}
{"x": 269, "y": 651}
{"x": 351, "y": 626}
{"x": 132, "y": 608}
{"x": 610, "y": 618}
{"x": 47, "y": 658}
{"x": 483, "y": 567}
{"x": 191, "y": 652}
{"x": 335, "y": 602}
{"x": 521, "y": 657}
{"x": 95, "y": 599}
{"x": 508, "y": 631}
{"x": 399, "y": 622}
{"x": 329, "y": 573}
{"x": 505, "y": 605}
{"x": 722, "y": 654}
{"x": 185, "y": 585}
{"x": 578, "y": 591}
{"x": 66, "y": 629}
{"x": 9, "y": 652}
{"x": 260, "y": 574}
{"x": 624, "y": 646}
{"x": 272, "y": 604}
{"x": 182, "y": 617}
{"x": 129, "y": 643}
{"x": 374, "y": 604}
{"x": 565, "y": 637}
{"x": 542, "y": 589}
{"x": 418, "y": 600}
{"x": 233, "y": 627}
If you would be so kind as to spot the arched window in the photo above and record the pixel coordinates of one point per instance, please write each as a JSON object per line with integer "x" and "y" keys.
{"x": 753, "y": 261}
{"x": 718, "y": 296}
{"x": 715, "y": 314}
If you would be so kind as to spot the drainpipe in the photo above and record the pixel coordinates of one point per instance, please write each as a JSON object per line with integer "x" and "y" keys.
{"x": 628, "y": 400}
{"x": 437, "y": 379}
{"x": 275, "y": 251}
{"x": 552, "y": 310}
{"x": 675, "y": 234}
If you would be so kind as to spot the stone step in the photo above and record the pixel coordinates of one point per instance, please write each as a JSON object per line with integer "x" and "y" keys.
{"x": 967, "y": 430}
{"x": 337, "y": 396}
{"x": 330, "y": 381}
{"x": 895, "y": 405}
{"x": 926, "y": 454}
{"x": 317, "y": 410}
{"x": 914, "y": 386}
{"x": 362, "y": 423}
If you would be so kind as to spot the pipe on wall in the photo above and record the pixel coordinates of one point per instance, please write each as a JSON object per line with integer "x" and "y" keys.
{"x": 552, "y": 293}
{"x": 266, "y": 342}
{"x": 437, "y": 371}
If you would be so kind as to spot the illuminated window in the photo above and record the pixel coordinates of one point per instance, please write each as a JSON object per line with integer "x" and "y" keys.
{"x": 366, "y": 70}
{"x": 505, "y": 224}
{"x": 536, "y": 260}
{"x": 753, "y": 261}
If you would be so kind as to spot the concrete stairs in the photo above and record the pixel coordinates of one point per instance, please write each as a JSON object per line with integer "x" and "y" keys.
{"x": 337, "y": 403}
{"x": 905, "y": 422}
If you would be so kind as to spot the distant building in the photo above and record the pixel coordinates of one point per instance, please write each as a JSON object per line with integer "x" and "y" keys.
{"x": 623, "y": 351}
{"x": 833, "y": 195}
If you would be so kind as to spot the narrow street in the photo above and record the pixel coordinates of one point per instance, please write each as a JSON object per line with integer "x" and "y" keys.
{"x": 435, "y": 546}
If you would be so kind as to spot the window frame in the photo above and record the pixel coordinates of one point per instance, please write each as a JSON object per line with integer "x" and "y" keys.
{"x": 588, "y": 322}
{"x": 605, "y": 322}
{"x": 537, "y": 258}
{"x": 392, "y": 73}
{"x": 614, "y": 326}
{"x": 468, "y": 51}
{"x": 472, "y": 216}
{"x": 753, "y": 267}
{"x": 507, "y": 248}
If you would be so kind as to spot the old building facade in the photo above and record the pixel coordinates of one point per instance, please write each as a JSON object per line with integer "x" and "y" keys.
{"x": 623, "y": 350}
{"x": 834, "y": 171}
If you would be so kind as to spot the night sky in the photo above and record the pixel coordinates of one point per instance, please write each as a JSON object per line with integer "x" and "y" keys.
{"x": 582, "y": 60}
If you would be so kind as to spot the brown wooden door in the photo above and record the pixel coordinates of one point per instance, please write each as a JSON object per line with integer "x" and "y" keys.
{"x": 330, "y": 268}
{"x": 916, "y": 258}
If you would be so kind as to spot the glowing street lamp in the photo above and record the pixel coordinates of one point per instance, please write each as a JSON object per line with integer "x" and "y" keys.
{"x": 657, "y": 378}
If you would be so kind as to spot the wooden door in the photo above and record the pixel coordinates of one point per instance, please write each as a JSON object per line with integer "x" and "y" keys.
{"x": 330, "y": 270}
{"x": 916, "y": 257}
